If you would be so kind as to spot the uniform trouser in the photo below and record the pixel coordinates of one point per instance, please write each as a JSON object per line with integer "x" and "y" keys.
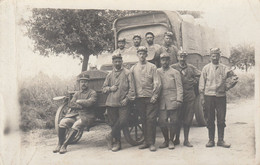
{"x": 148, "y": 114}
{"x": 214, "y": 105}
{"x": 117, "y": 119}
{"x": 187, "y": 112}
{"x": 77, "y": 122}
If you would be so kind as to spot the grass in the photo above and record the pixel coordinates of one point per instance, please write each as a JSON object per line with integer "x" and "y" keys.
{"x": 38, "y": 109}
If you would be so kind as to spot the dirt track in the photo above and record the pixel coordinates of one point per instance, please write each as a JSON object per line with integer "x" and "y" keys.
{"x": 91, "y": 149}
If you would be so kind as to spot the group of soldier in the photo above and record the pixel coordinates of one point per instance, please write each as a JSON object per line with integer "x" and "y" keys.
{"x": 161, "y": 89}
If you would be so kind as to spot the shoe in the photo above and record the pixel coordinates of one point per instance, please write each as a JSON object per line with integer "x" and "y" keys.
{"x": 143, "y": 146}
{"x": 116, "y": 147}
{"x": 171, "y": 145}
{"x": 57, "y": 149}
{"x": 187, "y": 144}
{"x": 109, "y": 140}
{"x": 63, "y": 149}
{"x": 164, "y": 145}
{"x": 152, "y": 148}
{"x": 211, "y": 143}
{"x": 222, "y": 143}
{"x": 176, "y": 142}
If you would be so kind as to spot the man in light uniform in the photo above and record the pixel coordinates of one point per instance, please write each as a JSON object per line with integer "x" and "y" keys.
{"x": 121, "y": 46}
{"x": 80, "y": 114}
{"x": 152, "y": 48}
{"x": 190, "y": 77}
{"x": 170, "y": 100}
{"x": 147, "y": 85}
{"x": 167, "y": 48}
{"x": 119, "y": 86}
{"x": 213, "y": 86}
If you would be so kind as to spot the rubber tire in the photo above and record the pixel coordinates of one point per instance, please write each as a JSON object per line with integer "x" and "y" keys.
{"x": 199, "y": 112}
{"x": 133, "y": 121}
{"x": 59, "y": 116}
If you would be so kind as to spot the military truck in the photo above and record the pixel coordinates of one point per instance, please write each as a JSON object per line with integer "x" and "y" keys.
{"x": 190, "y": 35}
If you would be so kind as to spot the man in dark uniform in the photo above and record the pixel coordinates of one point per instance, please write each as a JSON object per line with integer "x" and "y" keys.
{"x": 80, "y": 114}
{"x": 147, "y": 87}
{"x": 152, "y": 48}
{"x": 170, "y": 101}
{"x": 190, "y": 77}
{"x": 213, "y": 86}
{"x": 167, "y": 48}
{"x": 121, "y": 46}
{"x": 119, "y": 85}
{"x": 137, "y": 42}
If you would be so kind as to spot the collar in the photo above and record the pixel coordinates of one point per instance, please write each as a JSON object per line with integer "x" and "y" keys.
{"x": 183, "y": 66}
{"x": 118, "y": 70}
{"x": 142, "y": 63}
{"x": 166, "y": 69}
{"x": 84, "y": 91}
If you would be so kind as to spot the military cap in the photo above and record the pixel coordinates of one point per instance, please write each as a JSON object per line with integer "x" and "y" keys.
{"x": 215, "y": 51}
{"x": 137, "y": 35}
{"x": 121, "y": 40}
{"x": 141, "y": 48}
{"x": 181, "y": 52}
{"x": 164, "y": 55}
{"x": 118, "y": 55}
{"x": 149, "y": 33}
{"x": 83, "y": 77}
{"x": 170, "y": 34}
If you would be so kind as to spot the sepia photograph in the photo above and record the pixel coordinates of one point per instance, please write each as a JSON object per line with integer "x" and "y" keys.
{"x": 129, "y": 82}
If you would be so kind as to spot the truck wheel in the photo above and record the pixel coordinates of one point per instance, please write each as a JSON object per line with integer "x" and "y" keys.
{"x": 199, "y": 113}
{"x": 61, "y": 112}
{"x": 134, "y": 132}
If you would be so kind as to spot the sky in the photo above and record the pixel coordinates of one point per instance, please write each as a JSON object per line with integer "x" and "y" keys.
{"x": 239, "y": 18}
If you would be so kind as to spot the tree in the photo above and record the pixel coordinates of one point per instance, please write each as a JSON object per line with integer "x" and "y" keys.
{"x": 79, "y": 33}
{"x": 243, "y": 56}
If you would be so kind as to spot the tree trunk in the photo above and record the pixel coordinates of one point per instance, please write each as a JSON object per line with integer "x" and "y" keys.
{"x": 85, "y": 62}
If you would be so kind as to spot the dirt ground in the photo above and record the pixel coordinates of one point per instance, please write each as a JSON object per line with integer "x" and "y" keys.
{"x": 91, "y": 149}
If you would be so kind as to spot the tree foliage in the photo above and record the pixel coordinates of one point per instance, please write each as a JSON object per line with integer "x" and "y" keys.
{"x": 79, "y": 33}
{"x": 72, "y": 32}
{"x": 243, "y": 56}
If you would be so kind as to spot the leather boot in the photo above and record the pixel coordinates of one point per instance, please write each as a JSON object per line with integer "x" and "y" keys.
{"x": 61, "y": 136}
{"x": 221, "y": 141}
{"x": 177, "y": 137}
{"x": 211, "y": 142}
{"x": 109, "y": 140}
{"x": 186, "y": 137}
{"x": 166, "y": 137}
{"x": 116, "y": 146}
{"x": 71, "y": 135}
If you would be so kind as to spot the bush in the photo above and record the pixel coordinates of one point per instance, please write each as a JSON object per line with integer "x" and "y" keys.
{"x": 36, "y": 104}
{"x": 245, "y": 87}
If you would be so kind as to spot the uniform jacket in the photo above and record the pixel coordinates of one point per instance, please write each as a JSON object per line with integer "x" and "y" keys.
{"x": 190, "y": 77}
{"x": 152, "y": 51}
{"x": 87, "y": 100}
{"x": 171, "y": 50}
{"x": 172, "y": 90}
{"x": 213, "y": 79}
{"x": 123, "y": 79}
{"x": 146, "y": 79}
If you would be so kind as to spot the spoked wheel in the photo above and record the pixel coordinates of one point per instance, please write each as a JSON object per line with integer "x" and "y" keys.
{"x": 134, "y": 132}
{"x": 61, "y": 112}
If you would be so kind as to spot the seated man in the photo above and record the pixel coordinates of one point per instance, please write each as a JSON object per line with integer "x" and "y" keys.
{"x": 80, "y": 114}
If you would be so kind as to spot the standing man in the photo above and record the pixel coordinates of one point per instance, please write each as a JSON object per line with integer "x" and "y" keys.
{"x": 121, "y": 46}
{"x": 190, "y": 77}
{"x": 170, "y": 101}
{"x": 167, "y": 48}
{"x": 213, "y": 87}
{"x": 151, "y": 47}
{"x": 137, "y": 42}
{"x": 120, "y": 88}
{"x": 147, "y": 85}
{"x": 80, "y": 114}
